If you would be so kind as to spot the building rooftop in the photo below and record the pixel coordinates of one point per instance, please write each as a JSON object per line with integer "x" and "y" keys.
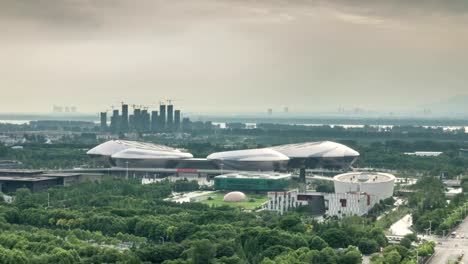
{"x": 364, "y": 177}
{"x": 255, "y": 175}
{"x": 61, "y": 175}
{"x": 19, "y": 171}
{"x": 263, "y": 154}
{"x": 112, "y": 147}
{"x": 25, "y": 179}
{"x": 321, "y": 149}
{"x": 424, "y": 153}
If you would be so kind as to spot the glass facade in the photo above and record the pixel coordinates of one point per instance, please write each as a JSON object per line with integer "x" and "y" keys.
{"x": 251, "y": 184}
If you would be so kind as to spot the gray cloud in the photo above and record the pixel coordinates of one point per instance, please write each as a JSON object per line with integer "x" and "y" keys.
{"x": 232, "y": 55}
{"x": 95, "y": 12}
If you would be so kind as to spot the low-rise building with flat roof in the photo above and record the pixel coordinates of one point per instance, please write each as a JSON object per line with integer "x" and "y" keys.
{"x": 35, "y": 184}
{"x": 19, "y": 172}
{"x": 251, "y": 181}
{"x": 37, "y": 180}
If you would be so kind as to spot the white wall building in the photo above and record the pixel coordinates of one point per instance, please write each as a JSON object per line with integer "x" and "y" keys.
{"x": 347, "y": 204}
{"x": 424, "y": 153}
{"x": 335, "y": 204}
{"x": 282, "y": 201}
{"x": 373, "y": 183}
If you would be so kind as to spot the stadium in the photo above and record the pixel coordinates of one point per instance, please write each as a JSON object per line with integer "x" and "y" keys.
{"x": 133, "y": 154}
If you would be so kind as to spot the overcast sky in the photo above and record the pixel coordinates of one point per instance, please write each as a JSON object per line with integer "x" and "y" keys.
{"x": 232, "y": 55}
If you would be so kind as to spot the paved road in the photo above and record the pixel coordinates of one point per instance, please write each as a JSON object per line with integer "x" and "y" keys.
{"x": 450, "y": 248}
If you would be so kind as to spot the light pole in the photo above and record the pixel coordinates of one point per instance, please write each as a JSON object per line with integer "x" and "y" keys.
{"x": 126, "y": 175}
{"x": 430, "y": 227}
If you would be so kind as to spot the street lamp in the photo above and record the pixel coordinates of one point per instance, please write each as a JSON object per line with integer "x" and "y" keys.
{"x": 430, "y": 227}
{"x": 126, "y": 175}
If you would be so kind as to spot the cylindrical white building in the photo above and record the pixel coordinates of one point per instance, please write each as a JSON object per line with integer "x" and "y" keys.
{"x": 374, "y": 183}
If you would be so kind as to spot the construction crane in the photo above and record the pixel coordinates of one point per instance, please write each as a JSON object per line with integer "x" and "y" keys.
{"x": 171, "y": 100}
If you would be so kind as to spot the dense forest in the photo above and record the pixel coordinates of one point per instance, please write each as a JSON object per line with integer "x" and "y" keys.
{"x": 125, "y": 222}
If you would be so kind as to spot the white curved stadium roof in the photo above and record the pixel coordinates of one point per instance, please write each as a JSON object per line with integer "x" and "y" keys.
{"x": 322, "y": 149}
{"x": 134, "y": 153}
{"x": 263, "y": 154}
{"x": 112, "y": 147}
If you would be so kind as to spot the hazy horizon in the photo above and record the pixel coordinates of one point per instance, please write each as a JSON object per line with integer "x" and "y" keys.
{"x": 232, "y": 56}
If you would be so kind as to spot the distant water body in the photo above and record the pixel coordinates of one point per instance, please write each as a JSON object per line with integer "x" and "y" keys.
{"x": 15, "y": 122}
{"x": 254, "y": 125}
{"x": 348, "y": 126}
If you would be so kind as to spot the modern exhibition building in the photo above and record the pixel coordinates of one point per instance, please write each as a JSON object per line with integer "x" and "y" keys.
{"x": 322, "y": 154}
{"x": 252, "y": 181}
{"x": 134, "y": 154}
{"x": 123, "y": 153}
{"x": 325, "y": 154}
{"x": 264, "y": 159}
{"x": 355, "y": 194}
{"x": 377, "y": 184}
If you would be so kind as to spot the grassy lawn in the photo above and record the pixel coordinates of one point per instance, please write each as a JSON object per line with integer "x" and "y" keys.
{"x": 251, "y": 202}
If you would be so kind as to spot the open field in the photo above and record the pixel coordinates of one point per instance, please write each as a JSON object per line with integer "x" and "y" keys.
{"x": 252, "y": 201}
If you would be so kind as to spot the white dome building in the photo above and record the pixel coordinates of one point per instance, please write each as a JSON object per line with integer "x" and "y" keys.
{"x": 234, "y": 197}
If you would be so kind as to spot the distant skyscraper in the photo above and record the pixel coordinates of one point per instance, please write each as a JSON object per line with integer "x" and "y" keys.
{"x": 177, "y": 120}
{"x": 124, "y": 119}
{"x": 170, "y": 117}
{"x": 145, "y": 121}
{"x": 154, "y": 121}
{"x": 186, "y": 124}
{"x": 58, "y": 109}
{"x": 131, "y": 122}
{"x": 286, "y": 110}
{"x": 137, "y": 119}
{"x": 162, "y": 117}
{"x": 115, "y": 120}
{"x": 270, "y": 111}
{"x": 103, "y": 121}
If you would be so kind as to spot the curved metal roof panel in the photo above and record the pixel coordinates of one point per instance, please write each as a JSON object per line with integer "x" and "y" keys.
{"x": 147, "y": 154}
{"x": 322, "y": 149}
{"x": 263, "y": 154}
{"x": 114, "y": 146}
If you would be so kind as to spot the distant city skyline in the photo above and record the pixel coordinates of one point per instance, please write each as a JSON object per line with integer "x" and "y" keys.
{"x": 233, "y": 56}
{"x": 457, "y": 105}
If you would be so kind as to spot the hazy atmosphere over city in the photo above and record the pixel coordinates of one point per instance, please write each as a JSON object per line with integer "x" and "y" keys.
{"x": 232, "y": 56}
{"x": 234, "y": 131}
